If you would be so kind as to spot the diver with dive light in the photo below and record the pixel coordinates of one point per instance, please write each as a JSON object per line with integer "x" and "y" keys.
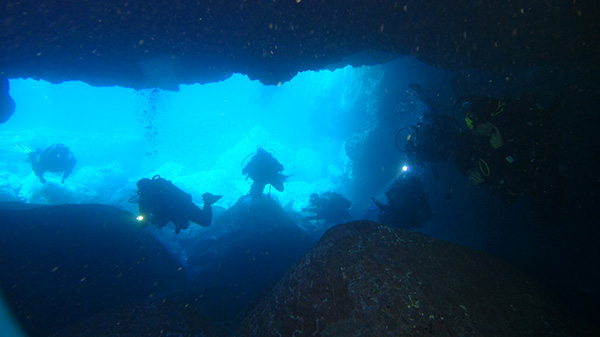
{"x": 160, "y": 202}
{"x": 509, "y": 145}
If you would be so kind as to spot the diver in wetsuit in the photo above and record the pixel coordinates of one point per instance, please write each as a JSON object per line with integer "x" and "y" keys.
{"x": 406, "y": 206}
{"x": 512, "y": 146}
{"x": 160, "y": 201}
{"x": 330, "y": 207}
{"x": 56, "y": 158}
{"x": 264, "y": 169}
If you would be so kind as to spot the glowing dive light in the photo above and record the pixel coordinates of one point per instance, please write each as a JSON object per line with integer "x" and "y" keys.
{"x": 140, "y": 217}
{"x": 404, "y": 168}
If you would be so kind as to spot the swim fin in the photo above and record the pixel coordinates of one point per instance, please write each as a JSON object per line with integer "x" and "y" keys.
{"x": 210, "y": 199}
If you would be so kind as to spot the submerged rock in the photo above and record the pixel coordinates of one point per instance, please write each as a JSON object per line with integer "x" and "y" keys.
{"x": 63, "y": 264}
{"x": 255, "y": 243}
{"x": 366, "y": 279}
{"x": 162, "y": 318}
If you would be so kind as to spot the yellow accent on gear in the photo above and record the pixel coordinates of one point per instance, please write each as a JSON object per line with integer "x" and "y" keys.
{"x": 483, "y": 167}
{"x": 499, "y": 108}
{"x": 469, "y": 122}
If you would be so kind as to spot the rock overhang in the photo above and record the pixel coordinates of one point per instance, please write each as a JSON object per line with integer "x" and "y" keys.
{"x": 157, "y": 44}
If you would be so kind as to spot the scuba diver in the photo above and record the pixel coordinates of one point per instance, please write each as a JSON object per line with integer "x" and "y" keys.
{"x": 330, "y": 207}
{"x": 407, "y": 206}
{"x": 488, "y": 155}
{"x": 264, "y": 169}
{"x": 511, "y": 146}
{"x": 160, "y": 202}
{"x": 433, "y": 140}
{"x": 56, "y": 158}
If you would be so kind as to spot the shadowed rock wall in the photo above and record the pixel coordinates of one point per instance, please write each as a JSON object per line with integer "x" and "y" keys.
{"x": 62, "y": 264}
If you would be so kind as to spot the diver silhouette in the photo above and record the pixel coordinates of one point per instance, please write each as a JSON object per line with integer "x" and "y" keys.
{"x": 407, "y": 205}
{"x": 55, "y": 158}
{"x": 264, "y": 169}
{"x": 160, "y": 201}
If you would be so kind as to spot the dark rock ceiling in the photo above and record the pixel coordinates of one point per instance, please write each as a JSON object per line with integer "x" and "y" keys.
{"x": 157, "y": 43}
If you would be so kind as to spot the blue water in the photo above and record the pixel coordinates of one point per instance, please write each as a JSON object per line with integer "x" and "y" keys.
{"x": 197, "y": 136}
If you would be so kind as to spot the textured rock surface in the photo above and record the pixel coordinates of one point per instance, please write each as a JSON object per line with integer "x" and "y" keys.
{"x": 158, "y": 43}
{"x": 365, "y": 279}
{"x": 257, "y": 244}
{"x": 163, "y": 318}
{"x": 62, "y": 264}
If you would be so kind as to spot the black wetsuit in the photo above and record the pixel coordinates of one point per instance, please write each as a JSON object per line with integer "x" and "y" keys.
{"x": 264, "y": 169}
{"x": 407, "y": 205}
{"x": 161, "y": 201}
{"x": 55, "y": 158}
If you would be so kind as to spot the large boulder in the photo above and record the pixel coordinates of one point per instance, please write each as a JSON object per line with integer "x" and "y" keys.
{"x": 63, "y": 264}
{"x": 241, "y": 256}
{"x": 366, "y": 279}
